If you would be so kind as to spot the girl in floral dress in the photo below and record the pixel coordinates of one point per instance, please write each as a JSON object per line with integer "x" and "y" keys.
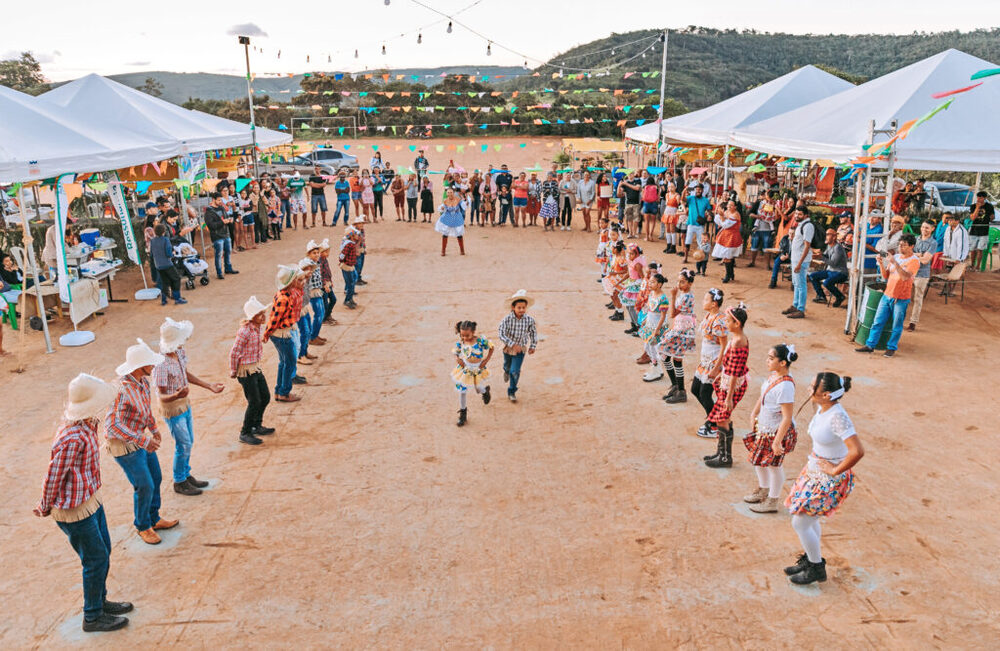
{"x": 679, "y": 341}
{"x": 714, "y": 336}
{"x": 654, "y": 325}
{"x": 730, "y": 386}
{"x": 633, "y": 287}
{"x": 827, "y": 478}
{"x": 773, "y": 434}
{"x": 472, "y": 354}
{"x": 614, "y": 281}
{"x": 652, "y": 269}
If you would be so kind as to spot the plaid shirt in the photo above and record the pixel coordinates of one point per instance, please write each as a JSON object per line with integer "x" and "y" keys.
{"x": 171, "y": 373}
{"x": 131, "y": 414}
{"x": 285, "y": 312}
{"x": 324, "y": 269}
{"x": 315, "y": 279}
{"x": 349, "y": 253}
{"x": 518, "y": 332}
{"x": 549, "y": 189}
{"x": 247, "y": 349}
{"x": 75, "y": 467}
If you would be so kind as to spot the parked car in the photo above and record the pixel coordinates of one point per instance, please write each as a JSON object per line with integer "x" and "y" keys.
{"x": 304, "y": 166}
{"x": 334, "y": 158}
{"x": 949, "y": 197}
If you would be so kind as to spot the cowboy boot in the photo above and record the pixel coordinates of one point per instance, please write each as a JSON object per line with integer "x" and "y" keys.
{"x": 725, "y": 458}
{"x": 444, "y": 244}
{"x": 462, "y": 417}
{"x": 720, "y": 443}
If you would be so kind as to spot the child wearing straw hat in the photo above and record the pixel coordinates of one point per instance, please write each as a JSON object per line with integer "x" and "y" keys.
{"x": 244, "y": 365}
{"x": 518, "y": 333}
{"x": 71, "y": 494}
{"x": 329, "y": 298}
{"x": 314, "y": 286}
{"x": 307, "y": 266}
{"x": 125, "y": 427}
{"x": 172, "y": 379}
{"x": 282, "y": 330}
{"x": 359, "y": 267}
{"x": 348, "y": 259}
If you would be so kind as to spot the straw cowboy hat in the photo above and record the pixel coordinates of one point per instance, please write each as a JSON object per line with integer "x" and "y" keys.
{"x": 137, "y": 356}
{"x": 173, "y": 334}
{"x": 305, "y": 264}
{"x": 286, "y": 275}
{"x": 698, "y": 255}
{"x": 520, "y": 295}
{"x": 253, "y": 307}
{"x": 358, "y": 220}
{"x": 313, "y": 245}
{"x": 325, "y": 244}
{"x": 88, "y": 397}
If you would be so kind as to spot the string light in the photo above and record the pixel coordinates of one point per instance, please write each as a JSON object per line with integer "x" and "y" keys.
{"x": 489, "y": 51}
{"x": 383, "y": 50}
{"x": 355, "y": 54}
{"x": 449, "y": 27}
{"x": 420, "y": 39}
{"x": 387, "y": 3}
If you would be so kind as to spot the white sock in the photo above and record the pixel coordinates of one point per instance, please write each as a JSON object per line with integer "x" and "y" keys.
{"x": 462, "y": 400}
{"x": 618, "y": 310}
{"x": 808, "y": 529}
{"x": 776, "y": 478}
{"x": 761, "y": 476}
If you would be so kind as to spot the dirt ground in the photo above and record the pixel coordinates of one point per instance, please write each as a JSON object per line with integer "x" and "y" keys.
{"x": 581, "y": 517}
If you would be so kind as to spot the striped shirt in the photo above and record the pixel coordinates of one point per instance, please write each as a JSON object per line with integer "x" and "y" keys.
{"x": 247, "y": 349}
{"x": 131, "y": 414}
{"x": 515, "y": 331}
{"x": 74, "y": 473}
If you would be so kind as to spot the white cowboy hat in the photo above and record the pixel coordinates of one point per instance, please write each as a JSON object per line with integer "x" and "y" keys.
{"x": 313, "y": 244}
{"x": 296, "y": 174}
{"x": 173, "y": 334}
{"x": 137, "y": 356}
{"x": 358, "y": 220}
{"x": 253, "y": 307}
{"x": 306, "y": 263}
{"x": 520, "y": 295}
{"x": 325, "y": 244}
{"x": 286, "y": 275}
{"x": 89, "y": 397}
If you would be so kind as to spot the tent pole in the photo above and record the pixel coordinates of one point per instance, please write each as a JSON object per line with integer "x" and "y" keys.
{"x": 29, "y": 250}
{"x": 663, "y": 89}
{"x": 725, "y": 171}
{"x": 856, "y": 255}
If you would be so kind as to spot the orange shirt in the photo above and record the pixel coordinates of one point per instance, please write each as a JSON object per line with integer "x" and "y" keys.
{"x": 897, "y": 286}
{"x": 520, "y": 189}
{"x": 355, "y": 183}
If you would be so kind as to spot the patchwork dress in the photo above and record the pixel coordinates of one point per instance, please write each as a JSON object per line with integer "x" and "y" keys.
{"x": 473, "y": 355}
{"x": 617, "y": 275}
{"x": 679, "y": 340}
{"x": 815, "y": 492}
{"x": 713, "y": 329}
{"x": 633, "y": 287}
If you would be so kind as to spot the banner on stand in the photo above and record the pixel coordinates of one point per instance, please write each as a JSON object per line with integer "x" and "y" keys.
{"x": 117, "y": 194}
{"x": 62, "y": 213}
{"x": 193, "y": 167}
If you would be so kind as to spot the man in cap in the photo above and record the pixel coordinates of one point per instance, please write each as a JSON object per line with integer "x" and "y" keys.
{"x": 126, "y": 426}
{"x": 71, "y": 495}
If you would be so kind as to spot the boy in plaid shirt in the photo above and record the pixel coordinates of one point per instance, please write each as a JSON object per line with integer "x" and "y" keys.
{"x": 244, "y": 365}
{"x": 518, "y": 333}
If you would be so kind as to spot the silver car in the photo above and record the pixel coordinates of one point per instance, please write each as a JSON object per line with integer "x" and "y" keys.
{"x": 334, "y": 158}
{"x": 304, "y": 166}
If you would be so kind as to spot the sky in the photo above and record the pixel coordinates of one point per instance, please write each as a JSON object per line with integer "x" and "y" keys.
{"x": 72, "y": 40}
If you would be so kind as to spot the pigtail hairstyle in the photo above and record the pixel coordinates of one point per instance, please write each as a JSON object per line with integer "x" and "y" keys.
{"x": 465, "y": 325}
{"x": 687, "y": 275}
{"x": 786, "y": 353}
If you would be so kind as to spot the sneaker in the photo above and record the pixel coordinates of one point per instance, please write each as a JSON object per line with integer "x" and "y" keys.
{"x": 797, "y": 314}
{"x": 707, "y": 432}
{"x": 361, "y": 282}
{"x": 184, "y": 488}
{"x": 486, "y": 396}
{"x": 117, "y": 607}
{"x": 104, "y": 623}
{"x": 197, "y": 483}
{"x": 652, "y": 375}
{"x": 889, "y": 353}
{"x": 260, "y": 430}
{"x": 351, "y": 304}
{"x": 180, "y": 301}
{"x": 298, "y": 379}
{"x": 219, "y": 277}
{"x": 249, "y": 439}
{"x": 512, "y": 397}
{"x": 864, "y": 349}
{"x": 305, "y": 360}
{"x": 789, "y": 310}
{"x": 820, "y": 299}
{"x": 231, "y": 272}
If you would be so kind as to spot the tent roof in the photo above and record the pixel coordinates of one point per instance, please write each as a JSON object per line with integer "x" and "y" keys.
{"x": 712, "y": 125}
{"x": 966, "y": 137}
{"x": 101, "y": 101}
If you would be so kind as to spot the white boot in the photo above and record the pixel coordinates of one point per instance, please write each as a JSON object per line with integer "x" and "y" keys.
{"x": 653, "y": 374}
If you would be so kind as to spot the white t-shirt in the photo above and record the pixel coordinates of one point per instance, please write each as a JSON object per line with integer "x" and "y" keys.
{"x": 802, "y": 243}
{"x": 769, "y": 417}
{"x": 829, "y": 430}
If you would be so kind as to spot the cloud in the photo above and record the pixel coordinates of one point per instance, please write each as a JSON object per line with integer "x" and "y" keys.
{"x": 41, "y": 57}
{"x": 246, "y": 29}
{"x": 137, "y": 63}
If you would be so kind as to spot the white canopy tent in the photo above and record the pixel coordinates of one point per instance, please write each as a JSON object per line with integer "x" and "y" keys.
{"x": 713, "y": 125}
{"x": 101, "y": 102}
{"x": 964, "y": 138}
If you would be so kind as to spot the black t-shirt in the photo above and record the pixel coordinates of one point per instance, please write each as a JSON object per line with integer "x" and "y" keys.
{"x": 631, "y": 196}
{"x": 504, "y": 179}
{"x": 981, "y": 222}
{"x": 317, "y": 191}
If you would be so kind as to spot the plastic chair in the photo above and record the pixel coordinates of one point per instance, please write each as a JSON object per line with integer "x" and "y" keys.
{"x": 994, "y": 239}
{"x": 10, "y": 315}
{"x": 950, "y": 279}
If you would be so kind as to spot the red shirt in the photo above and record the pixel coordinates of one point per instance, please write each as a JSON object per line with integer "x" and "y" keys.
{"x": 131, "y": 414}
{"x": 247, "y": 349}
{"x": 74, "y": 468}
{"x": 286, "y": 311}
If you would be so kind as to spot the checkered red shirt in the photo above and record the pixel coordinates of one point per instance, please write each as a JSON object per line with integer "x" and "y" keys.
{"x": 171, "y": 373}
{"x": 324, "y": 269}
{"x": 247, "y": 348}
{"x": 286, "y": 310}
{"x": 75, "y": 466}
{"x": 131, "y": 414}
{"x": 349, "y": 253}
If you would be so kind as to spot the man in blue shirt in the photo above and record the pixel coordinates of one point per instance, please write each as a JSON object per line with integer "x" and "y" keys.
{"x": 343, "y": 190}
{"x": 875, "y": 231}
{"x": 697, "y": 207}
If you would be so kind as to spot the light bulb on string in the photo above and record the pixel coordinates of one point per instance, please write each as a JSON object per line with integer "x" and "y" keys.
{"x": 387, "y": 3}
{"x": 279, "y": 54}
{"x": 612, "y": 51}
{"x": 420, "y": 39}
{"x": 383, "y": 50}
{"x": 307, "y": 58}
{"x": 329, "y": 59}
{"x": 355, "y": 54}
{"x": 449, "y": 27}
{"x": 489, "y": 50}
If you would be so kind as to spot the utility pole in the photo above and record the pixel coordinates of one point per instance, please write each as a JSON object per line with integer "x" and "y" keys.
{"x": 663, "y": 89}
{"x": 245, "y": 42}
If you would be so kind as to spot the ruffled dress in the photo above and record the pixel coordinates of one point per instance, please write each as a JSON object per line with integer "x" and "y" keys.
{"x": 633, "y": 287}
{"x": 655, "y": 306}
{"x": 774, "y": 392}
{"x": 713, "y": 329}
{"x": 451, "y": 223}
{"x": 729, "y": 242}
{"x": 473, "y": 355}
{"x": 679, "y": 340}
{"x": 814, "y": 491}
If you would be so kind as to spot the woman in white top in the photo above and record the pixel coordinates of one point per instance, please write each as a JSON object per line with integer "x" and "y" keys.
{"x": 827, "y": 479}
{"x": 376, "y": 162}
{"x": 586, "y": 194}
{"x": 773, "y": 434}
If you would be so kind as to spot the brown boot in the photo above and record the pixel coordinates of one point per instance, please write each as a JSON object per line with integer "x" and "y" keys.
{"x": 444, "y": 244}
{"x": 318, "y": 341}
{"x": 643, "y": 359}
{"x": 291, "y": 397}
{"x": 166, "y": 524}
{"x": 149, "y": 537}
{"x": 461, "y": 245}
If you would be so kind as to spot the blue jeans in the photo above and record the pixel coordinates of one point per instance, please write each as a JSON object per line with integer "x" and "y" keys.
{"x": 359, "y": 265}
{"x": 776, "y": 269}
{"x": 223, "y": 249}
{"x": 342, "y": 204}
{"x": 286, "y": 208}
{"x": 286, "y": 364}
{"x": 894, "y": 308}
{"x": 761, "y": 240}
{"x": 329, "y": 300}
{"x": 91, "y": 542}
{"x": 182, "y": 429}
{"x": 319, "y": 313}
{"x": 799, "y": 283}
{"x": 143, "y": 471}
{"x": 305, "y": 334}
{"x": 828, "y": 279}
{"x": 512, "y": 365}
{"x": 317, "y": 202}
{"x": 350, "y": 277}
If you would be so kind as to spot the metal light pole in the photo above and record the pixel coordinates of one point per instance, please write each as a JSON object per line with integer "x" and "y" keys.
{"x": 663, "y": 89}
{"x": 245, "y": 42}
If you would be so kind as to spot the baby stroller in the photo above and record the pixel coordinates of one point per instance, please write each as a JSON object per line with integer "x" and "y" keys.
{"x": 189, "y": 264}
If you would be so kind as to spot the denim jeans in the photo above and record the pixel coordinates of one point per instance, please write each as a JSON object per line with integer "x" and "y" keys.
{"x": 91, "y": 542}
{"x": 342, "y": 204}
{"x": 349, "y": 279}
{"x": 329, "y": 300}
{"x": 359, "y": 266}
{"x": 223, "y": 249}
{"x": 776, "y": 269}
{"x": 506, "y": 210}
{"x": 319, "y": 313}
{"x": 828, "y": 279}
{"x": 143, "y": 471}
{"x": 286, "y": 208}
{"x": 512, "y": 365}
{"x": 182, "y": 429}
{"x": 888, "y": 308}
{"x": 799, "y": 283}
{"x": 305, "y": 334}
{"x": 286, "y": 364}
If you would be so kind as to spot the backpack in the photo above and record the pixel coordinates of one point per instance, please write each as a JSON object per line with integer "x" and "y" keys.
{"x": 819, "y": 237}
{"x": 650, "y": 194}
